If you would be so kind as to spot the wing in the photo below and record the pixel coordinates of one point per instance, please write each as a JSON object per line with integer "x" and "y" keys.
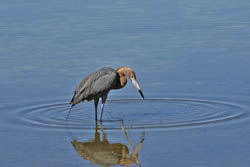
{"x": 95, "y": 85}
{"x": 102, "y": 85}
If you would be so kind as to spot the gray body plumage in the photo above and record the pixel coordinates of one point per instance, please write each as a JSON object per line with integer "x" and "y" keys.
{"x": 95, "y": 85}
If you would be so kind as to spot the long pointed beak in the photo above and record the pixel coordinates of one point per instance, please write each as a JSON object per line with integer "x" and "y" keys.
{"x": 134, "y": 82}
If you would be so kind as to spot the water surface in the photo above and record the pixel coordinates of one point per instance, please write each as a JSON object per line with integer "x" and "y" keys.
{"x": 191, "y": 60}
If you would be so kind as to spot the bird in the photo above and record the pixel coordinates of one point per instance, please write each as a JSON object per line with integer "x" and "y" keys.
{"x": 99, "y": 83}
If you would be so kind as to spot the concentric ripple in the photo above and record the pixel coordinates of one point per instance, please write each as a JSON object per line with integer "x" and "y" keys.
{"x": 137, "y": 113}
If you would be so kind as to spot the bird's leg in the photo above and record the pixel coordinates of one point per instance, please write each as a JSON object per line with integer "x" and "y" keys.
{"x": 102, "y": 107}
{"x": 96, "y": 105}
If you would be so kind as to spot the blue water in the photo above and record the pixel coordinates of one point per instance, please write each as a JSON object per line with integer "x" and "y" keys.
{"x": 191, "y": 59}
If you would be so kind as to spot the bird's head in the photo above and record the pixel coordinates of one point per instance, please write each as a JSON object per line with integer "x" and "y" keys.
{"x": 126, "y": 72}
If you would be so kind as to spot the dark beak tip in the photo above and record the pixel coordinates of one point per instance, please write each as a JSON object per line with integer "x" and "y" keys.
{"x": 141, "y": 94}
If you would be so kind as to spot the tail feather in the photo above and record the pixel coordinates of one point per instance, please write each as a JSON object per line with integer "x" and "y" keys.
{"x": 73, "y": 98}
{"x": 71, "y": 101}
{"x": 76, "y": 99}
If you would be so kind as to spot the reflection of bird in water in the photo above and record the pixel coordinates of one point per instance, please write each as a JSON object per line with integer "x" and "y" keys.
{"x": 98, "y": 84}
{"x": 101, "y": 151}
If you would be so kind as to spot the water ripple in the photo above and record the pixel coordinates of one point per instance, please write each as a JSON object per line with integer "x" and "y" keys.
{"x": 137, "y": 113}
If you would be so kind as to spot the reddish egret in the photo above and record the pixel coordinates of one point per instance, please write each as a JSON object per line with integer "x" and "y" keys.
{"x": 98, "y": 84}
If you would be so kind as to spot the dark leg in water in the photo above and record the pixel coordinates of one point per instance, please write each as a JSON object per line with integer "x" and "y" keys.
{"x": 96, "y": 105}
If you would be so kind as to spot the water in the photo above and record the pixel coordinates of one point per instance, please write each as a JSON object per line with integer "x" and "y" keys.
{"x": 191, "y": 60}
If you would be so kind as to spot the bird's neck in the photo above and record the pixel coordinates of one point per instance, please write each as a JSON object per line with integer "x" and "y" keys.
{"x": 121, "y": 82}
